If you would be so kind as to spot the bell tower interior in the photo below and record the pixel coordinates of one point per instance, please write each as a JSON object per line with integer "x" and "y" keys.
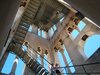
{"x": 49, "y": 37}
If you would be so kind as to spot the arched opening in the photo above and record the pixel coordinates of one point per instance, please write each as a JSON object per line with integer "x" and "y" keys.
{"x": 20, "y": 67}
{"x": 91, "y": 45}
{"x": 8, "y": 64}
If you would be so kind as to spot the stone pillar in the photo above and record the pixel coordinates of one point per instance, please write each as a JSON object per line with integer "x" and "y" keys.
{"x": 56, "y": 57}
{"x": 3, "y": 60}
{"x": 51, "y": 54}
{"x": 40, "y": 32}
{"x": 78, "y": 29}
{"x": 42, "y": 60}
{"x": 37, "y": 30}
{"x": 66, "y": 63}
{"x": 34, "y": 29}
{"x": 14, "y": 66}
{"x": 47, "y": 35}
{"x": 25, "y": 70}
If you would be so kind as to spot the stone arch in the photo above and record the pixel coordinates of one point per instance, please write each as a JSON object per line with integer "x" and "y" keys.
{"x": 91, "y": 45}
{"x": 86, "y": 36}
{"x": 82, "y": 41}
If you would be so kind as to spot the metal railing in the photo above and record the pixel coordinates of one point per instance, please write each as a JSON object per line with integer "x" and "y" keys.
{"x": 34, "y": 54}
{"x": 84, "y": 68}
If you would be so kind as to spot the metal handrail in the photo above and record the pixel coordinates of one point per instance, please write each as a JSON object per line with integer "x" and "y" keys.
{"x": 40, "y": 55}
{"x": 80, "y": 65}
{"x": 83, "y": 66}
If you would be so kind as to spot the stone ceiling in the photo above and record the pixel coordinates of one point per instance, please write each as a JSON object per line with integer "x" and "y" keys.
{"x": 49, "y": 13}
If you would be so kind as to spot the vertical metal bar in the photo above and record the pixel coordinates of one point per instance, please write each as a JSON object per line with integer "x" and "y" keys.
{"x": 85, "y": 70}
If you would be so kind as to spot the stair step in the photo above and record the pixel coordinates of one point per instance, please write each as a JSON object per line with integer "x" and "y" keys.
{"x": 24, "y": 24}
{"x": 26, "y": 21}
{"x": 27, "y": 18}
{"x": 31, "y": 10}
{"x": 35, "y": 2}
{"x": 17, "y": 41}
{"x": 22, "y": 28}
{"x": 28, "y": 15}
{"x": 21, "y": 31}
{"x": 18, "y": 38}
{"x": 20, "y": 34}
{"x": 33, "y": 7}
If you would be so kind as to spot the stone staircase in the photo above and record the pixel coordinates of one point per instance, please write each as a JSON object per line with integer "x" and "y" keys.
{"x": 31, "y": 11}
{"x": 16, "y": 44}
{"x": 27, "y": 19}
{"x": 21, "y": 32}
{"x": 28, "y": 58}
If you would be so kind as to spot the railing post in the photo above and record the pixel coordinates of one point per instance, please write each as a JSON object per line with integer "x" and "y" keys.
{"x": 85, "y": 70}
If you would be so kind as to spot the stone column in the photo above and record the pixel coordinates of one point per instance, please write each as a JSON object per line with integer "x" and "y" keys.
{"x": 56, "y": 57}
{"x": 42, "y": 60}
{"x": 14, "y": 66}
{"x": 25, "y": 70}
{"x": 66, "y": 63}
{"x": 37, "y": 30}
{"x": 40, "y": 32}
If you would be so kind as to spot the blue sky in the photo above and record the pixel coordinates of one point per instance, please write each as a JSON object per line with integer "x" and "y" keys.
{"x": 91, "y": 45}
{"x": 75, "y": 32}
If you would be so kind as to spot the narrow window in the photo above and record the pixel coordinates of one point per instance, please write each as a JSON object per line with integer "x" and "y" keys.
{"x": 81, "y": 25}
{"x": 62, "y": 63}
{"x": 74, "y": 33}
{"x": 54, "y": 27}
{"x": 43, "y": 34}
{"x": 39, "y": 32}
{"x": 30, "y": 29}
{"x": 69, "y": 60}
{"x": 51, "y": 32}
